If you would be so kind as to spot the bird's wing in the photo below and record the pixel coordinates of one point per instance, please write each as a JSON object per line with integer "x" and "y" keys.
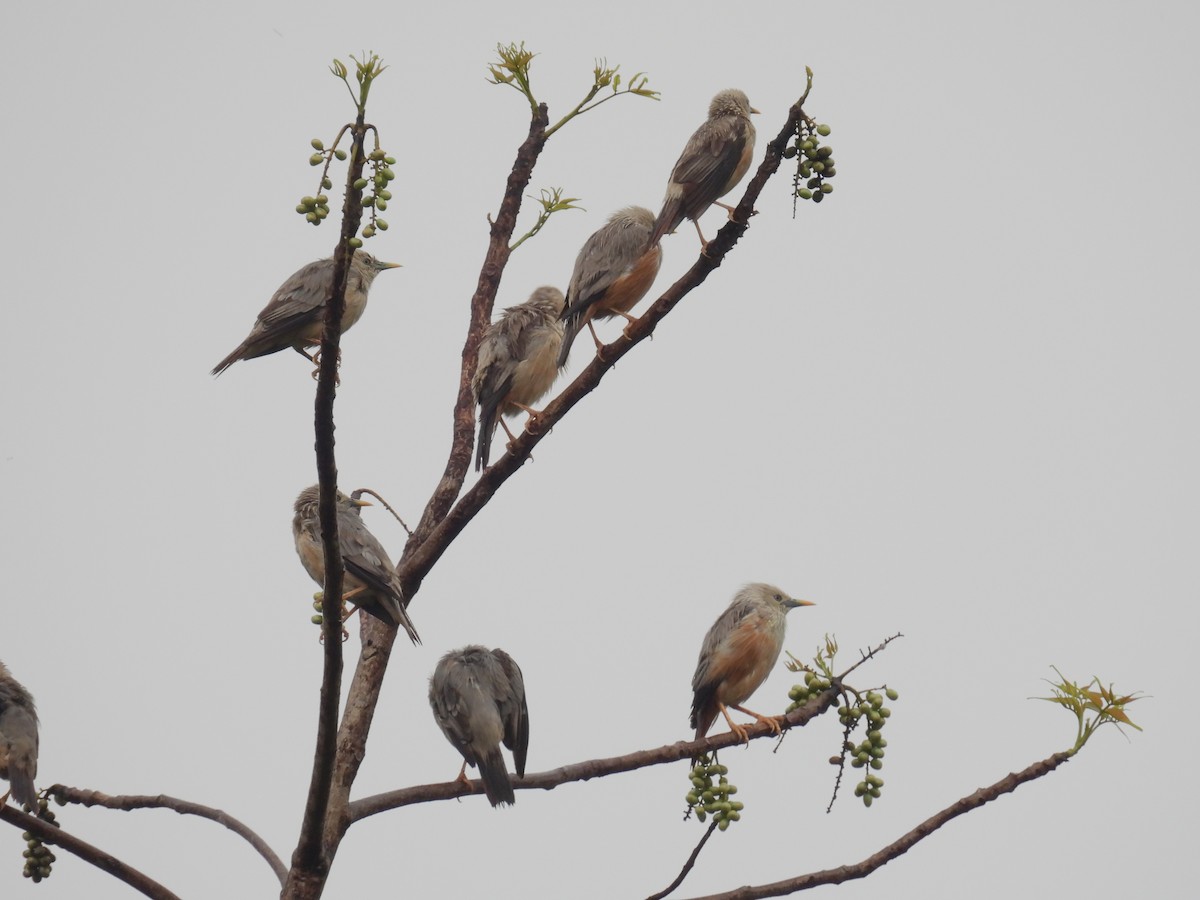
{"x": 299, "y": 299}
{"x": 446, "y": 698}
{"x": 606, "y": 256}
{"x": 720, "y": 632}
{"x": 514, "y": 711}
{"x": 712, "y": 156}
{"x": 364, "y": 557}
{"x": 497, "y": 363}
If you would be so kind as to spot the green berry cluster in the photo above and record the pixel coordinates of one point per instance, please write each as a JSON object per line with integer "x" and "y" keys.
{"x": 377, "y": 201}
{"x": 38, "y": 857}
{"x": 869, "y": 752}
{"x": 802, "y": 693}
{"x": 316, "y": 209}
{"x": 708, "y": 799}
{"x": 814, "y": 162}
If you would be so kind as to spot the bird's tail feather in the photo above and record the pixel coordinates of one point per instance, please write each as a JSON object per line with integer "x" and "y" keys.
{"x": 495, "y": 778}
{"x": 21, "y": 782}
{"x": 487, "y": 427}
{"x": 668, "y": 220}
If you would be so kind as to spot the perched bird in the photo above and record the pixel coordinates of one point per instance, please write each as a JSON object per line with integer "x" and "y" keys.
{"x": 296, "y": 314}
{"x": 516, "y": 364}
{"x": 478, "y": 700}
{"x": 739, "y": 652}
{"x": 712, "y": 163}
{"x": 18, "y": 740}
{"x": 613, "y": 271}
{"x": 371, "y": 580}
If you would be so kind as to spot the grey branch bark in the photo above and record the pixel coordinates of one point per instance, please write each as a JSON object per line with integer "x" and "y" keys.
{"x": 129, "y": 802}
{"x": 106, "y": 862}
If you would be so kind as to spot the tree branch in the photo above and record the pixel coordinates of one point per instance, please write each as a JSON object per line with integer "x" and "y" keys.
{"x": 129, "y": 802}
{"x": 862, "y": 869}
{"x": 106, "y": 862}
{"x": 421, "y": 555}
{"x": 593, "y": 768}
{"x": 310, "y": 856}
{"x": 377, "y": 641}
{"x": 687, "y": 866}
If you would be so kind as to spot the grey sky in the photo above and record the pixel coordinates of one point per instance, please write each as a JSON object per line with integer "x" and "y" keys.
{"x": 957, "y": 401}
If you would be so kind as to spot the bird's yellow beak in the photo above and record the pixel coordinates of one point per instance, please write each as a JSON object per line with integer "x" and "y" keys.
{"x": 753, "y": 111}
{"x": 795, "y": 603}
{"x": 362, "y": 503}
{"x": 384, "y": 265}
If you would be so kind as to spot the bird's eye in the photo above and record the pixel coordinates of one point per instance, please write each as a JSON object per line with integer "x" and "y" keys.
{"x": 778, "y": 598}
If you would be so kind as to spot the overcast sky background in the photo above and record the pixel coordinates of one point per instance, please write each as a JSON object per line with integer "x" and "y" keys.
{"x": 955, "y": 401}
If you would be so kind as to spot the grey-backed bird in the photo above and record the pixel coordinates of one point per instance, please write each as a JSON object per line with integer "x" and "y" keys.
{"x": 714, "y": 160}
{"x": 614, "y": 269}
{"x": 517, "y": 364}
{"x": 18, "y": 740}
{"x": 295, "y": 316}
{"x": 738, "y": 654}
{"x": 370, "y": 581}
{"x": 478, "y": 700}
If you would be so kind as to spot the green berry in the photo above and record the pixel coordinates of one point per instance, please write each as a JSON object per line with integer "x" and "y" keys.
{"x": 340, "y": 154}
{"x": 316, "y": 159}
{"x": 824, "y": 130}
{"x": 893, "y": 695}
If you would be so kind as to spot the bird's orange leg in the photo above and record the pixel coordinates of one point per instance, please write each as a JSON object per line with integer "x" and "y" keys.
{"x": 462, "y": 775}
{"x": 734, "y": 726}
{"x": 4, "y": 799}
{"x": 531, "y": 424}
{"x": 315, "y": 359}
{"x": 628, "y": 318}
{"x": 595, "y": 337}
{"x": 512, "y": 438}
{"x": 773, "y": 721}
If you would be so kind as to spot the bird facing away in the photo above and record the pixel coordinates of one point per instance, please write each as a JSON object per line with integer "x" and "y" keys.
{"x": 370, "y": 580}
{"x": 517, "y": 364}
{"x": 738, "y": 653}
{"x": 613, "y": 271}
{"x": 478, "y": 700}
{"x": 296, "y": 314}
{"x": 18, "y": 740}
{"x": 714, "y": 160}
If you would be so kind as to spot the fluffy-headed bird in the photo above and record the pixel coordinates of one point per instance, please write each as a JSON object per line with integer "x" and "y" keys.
{"x": 516, "y": 364}
{"x": 714, "y": 160}
{"x": 296, "y": 314}
{"x": 613, "y": 271}
{"x": 18, "y": 740}
{"x": 738, "y": 654}
{"x": 370, "y": 580}
{"x": 478, "y": 700}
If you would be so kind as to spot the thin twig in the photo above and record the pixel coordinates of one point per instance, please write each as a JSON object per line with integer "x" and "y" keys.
{"x": 129, "y": 802}
{"x": 360, "y": 491}
{"x": 862, "y": 869}
{"x": 687, "y": 866}
{"x": 103, "y": 861}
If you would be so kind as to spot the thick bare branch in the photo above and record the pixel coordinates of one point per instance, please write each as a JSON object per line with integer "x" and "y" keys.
{"x": 377, "y": 641}
{"x": 593, "y": 768}
{"x": 129, "y": 802}
{"x": 310, "y": 855}
{"x": 862, "y": 869}
{"x": 106, "y": 862}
